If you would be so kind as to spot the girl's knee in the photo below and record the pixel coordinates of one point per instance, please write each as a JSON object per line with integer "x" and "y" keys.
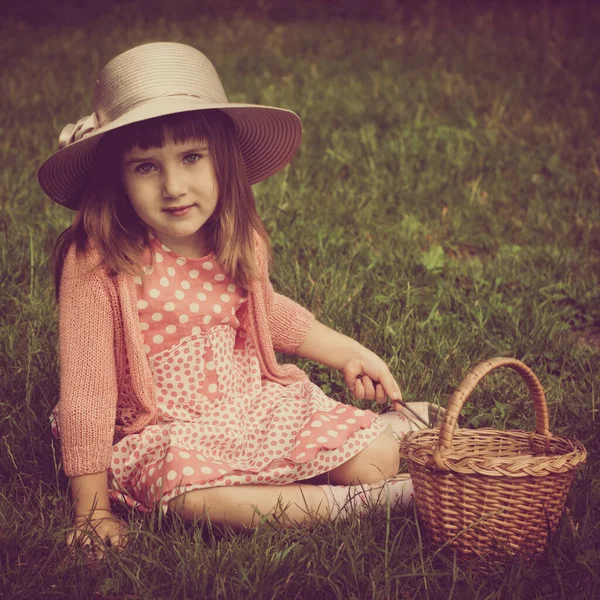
{"x": 389, "y": 450}
{"x": 379, "y": 460}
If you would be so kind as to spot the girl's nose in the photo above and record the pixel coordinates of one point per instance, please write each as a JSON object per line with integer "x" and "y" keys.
{"x": 174, "y": 184}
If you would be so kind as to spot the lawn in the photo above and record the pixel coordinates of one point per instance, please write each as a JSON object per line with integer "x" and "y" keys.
{"x": 443, "y": 209}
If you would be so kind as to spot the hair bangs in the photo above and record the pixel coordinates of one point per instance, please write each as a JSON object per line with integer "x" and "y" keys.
{"x": 155, "y": 133}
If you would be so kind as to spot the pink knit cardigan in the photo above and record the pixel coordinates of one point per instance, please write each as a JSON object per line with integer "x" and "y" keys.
{"x": 106, "y": 387}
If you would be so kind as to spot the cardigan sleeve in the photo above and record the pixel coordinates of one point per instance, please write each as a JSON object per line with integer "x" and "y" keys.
{"x": 288, "y": 322}
{"x": 88, "y": 380}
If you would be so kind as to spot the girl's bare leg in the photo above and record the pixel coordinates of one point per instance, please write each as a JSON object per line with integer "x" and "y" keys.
{"x": 242, "y": 506}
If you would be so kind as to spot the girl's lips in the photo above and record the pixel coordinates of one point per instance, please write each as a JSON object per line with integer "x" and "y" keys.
{"x": 179, "y": 211}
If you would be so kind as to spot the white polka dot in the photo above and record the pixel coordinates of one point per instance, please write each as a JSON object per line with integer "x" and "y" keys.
{"x": 219, "y": 277}
{"x": 196, "y": 330}
{"x": 165, "y": 248}
{"x": 316, "y": 423}
{"x": 154, "y": 293}
{"x": 194, "y": 307}
{"x": 210, "y": 366}
{"x": 206, "y": 470}
{"x": 148, "y": 269}
{"x": 169, "y": 457}
{"x": 217, "y": 308}
{"x": 212, "y": 388}
{"x": 171, "y": 272}
{"x": 359, "y": 413}
{"x": 181, "y": 261}
{"x": 159, "y": 482}
{"x": 342, "y": 427}
{"x": 194, "y": 274}
{"x": 157, "y": 316}
{"x": 137, "y": 280}
{"x": 158, "y": 339}
{"x": 169, "y": 306}
{"x": 183, "y": 318}
{"x": 207, "y": 286}
{"x": 146, "y": 348}
{"x": 207, "y": 319}
{"x": 185, "y": 454}
{"x": 223, "y": 471}
{"x": 207, "y": 265}
{"x": 185, "y": 285}
{"x": 225, "y": 320}
{"x": 352, "y": 421}
{"x": 151, "y": 472}
{"x": 332, "y": 433}
{"x": 201, "y": 296}
{"x": 310, "y": 446}
{"x": 225, "y": 298}
{"x": 144, "y": 326}
{"x": 164, "y": 282}
{"x": 170, "y": 329}
{"x": 301, "y": 455}
{"x": 142, "y": 304}
{"x": 305, "y": 434}
{"x": 231, "y": 288}
{"x": 171, "y": 475}
{"x": 158, "y": 257}
{"x": 187, "y": 471}
{"x": 321, "y": 439}
{"x": 179, "y": 295}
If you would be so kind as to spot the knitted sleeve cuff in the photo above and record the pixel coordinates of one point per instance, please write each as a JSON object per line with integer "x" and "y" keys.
{"x": 289, "y": 324}
{"x": 84, "y": 460}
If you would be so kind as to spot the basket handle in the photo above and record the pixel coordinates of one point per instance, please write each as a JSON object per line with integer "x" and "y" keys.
{"x": 468, "y": 384}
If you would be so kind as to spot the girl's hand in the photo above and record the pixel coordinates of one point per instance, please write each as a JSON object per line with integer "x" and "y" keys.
{"x": 97, "y": 531}
{"x": 369, "y": 378}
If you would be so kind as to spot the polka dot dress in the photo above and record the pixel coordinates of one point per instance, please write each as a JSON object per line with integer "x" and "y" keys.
{"x": 218, "y": 422}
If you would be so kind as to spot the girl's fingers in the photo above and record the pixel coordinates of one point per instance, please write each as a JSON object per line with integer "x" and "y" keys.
{"x": 118, "y": 540}
{"x": 365, "y": 386}
{"x": 85, "y": 536}
{"x": 390, "y": 387}
{"x": 369, "y": 388}
{"x": 380, "y": 396}
{"x": 359, "y": 390}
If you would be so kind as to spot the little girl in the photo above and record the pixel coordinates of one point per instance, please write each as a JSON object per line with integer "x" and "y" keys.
{"x": 171, "y": 393}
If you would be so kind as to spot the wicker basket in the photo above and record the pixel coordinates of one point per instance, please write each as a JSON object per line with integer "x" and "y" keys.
{"x": 492, "y": 494}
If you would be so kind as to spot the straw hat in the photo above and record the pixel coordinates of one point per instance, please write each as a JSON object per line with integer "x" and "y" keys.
{"x": 158, "y": 79}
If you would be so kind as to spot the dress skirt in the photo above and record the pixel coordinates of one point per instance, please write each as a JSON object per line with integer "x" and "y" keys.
{"x": 221, "y": 424}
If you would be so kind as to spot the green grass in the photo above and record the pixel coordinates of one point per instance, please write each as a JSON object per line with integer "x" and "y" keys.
{"x": 443, "y": 209}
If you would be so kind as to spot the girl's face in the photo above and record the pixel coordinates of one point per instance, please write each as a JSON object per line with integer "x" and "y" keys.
{"x": 174, "y": 191}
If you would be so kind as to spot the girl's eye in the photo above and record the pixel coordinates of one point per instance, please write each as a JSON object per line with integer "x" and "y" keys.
{"x": 190, "y": 159}
{"x": 144, "y": 168}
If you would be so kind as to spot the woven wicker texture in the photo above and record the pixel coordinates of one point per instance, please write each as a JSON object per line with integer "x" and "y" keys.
{"x": 488, "y": 493}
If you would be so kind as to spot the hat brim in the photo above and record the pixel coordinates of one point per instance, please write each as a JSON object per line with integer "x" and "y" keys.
{"x": 269, "y": 138}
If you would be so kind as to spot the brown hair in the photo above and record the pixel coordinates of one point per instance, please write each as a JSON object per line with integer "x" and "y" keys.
{"x": 107, "y": 219}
